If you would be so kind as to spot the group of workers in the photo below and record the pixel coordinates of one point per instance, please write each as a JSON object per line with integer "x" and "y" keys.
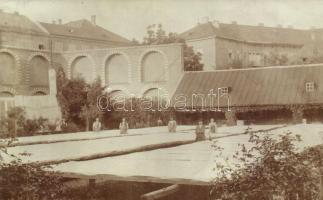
{"x": 123, "y": 126}
{"x": 199, "y": 130}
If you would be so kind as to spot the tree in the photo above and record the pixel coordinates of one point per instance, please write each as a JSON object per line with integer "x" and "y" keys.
{"x": 90, "y": 110}
{"x": 270, "y": 166}
{"x": 71, "y": 96}
{"x": 157, "y": 35}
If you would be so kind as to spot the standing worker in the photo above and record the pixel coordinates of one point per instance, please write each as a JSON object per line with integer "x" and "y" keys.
{"x": 172, "y": 125}
{"x": 159, "y": 122}
{"x": 212, "y": 128}
{"x": 200, "y": 131}
{"x": 96, "y": 125}
{"x": 123, "y": 126}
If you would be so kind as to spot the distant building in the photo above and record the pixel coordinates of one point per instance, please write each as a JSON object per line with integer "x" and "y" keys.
{"x": 229, "y": 46}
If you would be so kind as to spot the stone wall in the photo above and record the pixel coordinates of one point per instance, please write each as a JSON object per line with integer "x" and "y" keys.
{"x": 206, "y": 46}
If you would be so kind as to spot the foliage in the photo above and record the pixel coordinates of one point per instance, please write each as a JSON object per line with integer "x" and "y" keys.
{"x": 275, "y": 59}
{"x": 89, "y": 110}
{"x": 25, "y": 181}
{"x": 157, "y": 35}
{"x": 270, "y": 166}
{"x": 139, "y": 112}
{"x": 77, "y": 99}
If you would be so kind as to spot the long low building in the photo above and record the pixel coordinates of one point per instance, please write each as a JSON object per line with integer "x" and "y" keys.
{"x": 285, "y": 92}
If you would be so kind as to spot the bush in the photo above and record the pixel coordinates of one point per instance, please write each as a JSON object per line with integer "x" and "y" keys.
{"x": 70, "y": 128}
{"x": 25, "y": 181}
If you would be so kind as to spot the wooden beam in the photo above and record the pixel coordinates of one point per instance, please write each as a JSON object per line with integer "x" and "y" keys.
{"x": 321, "y": 183}
{"x": 160, "y": 193}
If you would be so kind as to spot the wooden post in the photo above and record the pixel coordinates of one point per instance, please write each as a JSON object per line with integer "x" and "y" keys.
{"x": 160, "y": 193}
{"x": 91, "y": 183}
{"x": 231, "y": 118}
{"x": 297, "y": 113}
{"x": 321, "y": 183}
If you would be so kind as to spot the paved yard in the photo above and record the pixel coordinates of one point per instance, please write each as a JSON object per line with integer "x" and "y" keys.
{"x": 185, "y": 164}
{"x": 75, "y": 149}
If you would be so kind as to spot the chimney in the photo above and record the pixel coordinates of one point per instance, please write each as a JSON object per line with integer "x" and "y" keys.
{"x": 234, "y": 22}
{"x": 93, "y": 19}
{"x": 261, "y": 24}
{"x": 205, "y": 20}
{"x": 59, "y": 21}
{"x": 53, "y": 22}
{"x": 216, "y": 23}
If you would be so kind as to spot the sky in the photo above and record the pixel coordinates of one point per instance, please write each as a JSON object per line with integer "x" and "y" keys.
{"x": 130, "y": 18}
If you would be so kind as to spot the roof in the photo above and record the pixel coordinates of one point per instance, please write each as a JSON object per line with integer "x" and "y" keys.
{"x": 253, "y": 87}
{"x": 246, "y": 33}
{"x": 19, "y": 23}
{"x": 83, "y": 29}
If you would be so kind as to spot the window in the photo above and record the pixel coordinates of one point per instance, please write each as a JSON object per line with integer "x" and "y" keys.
{"x": 41, "y": 46}
{"x": 223, "y": 91}
{"x": 309, "y": 86}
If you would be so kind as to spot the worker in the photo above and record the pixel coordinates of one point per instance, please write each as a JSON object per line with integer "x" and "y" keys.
{"x": 123, "y": 126}
{"x": 200, "y": 131}
{"x": 172, "y": 125}
{"x": 212, "y": 128}
{"x": 96, "y": 125}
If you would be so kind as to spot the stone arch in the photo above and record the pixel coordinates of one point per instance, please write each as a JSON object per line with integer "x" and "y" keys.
{"x": 165, "y": 64}
{"x": 8, "y": 89}
{"x": 124, "y": 89}
{"x": 107, "y": 58}
{"x": 38, "y": 70}
{"x": 92, "y": 72}
{"x": 6, "y": 94}
{"x": 17, "y": 66}
{"x": 153, "y": 89}
{"x": 39, "y": 91}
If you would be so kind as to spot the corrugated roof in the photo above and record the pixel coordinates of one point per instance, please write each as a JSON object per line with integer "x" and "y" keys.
{"x": 19, "y": 23}
{"x": 84, "y": 29}
{"x": 253, "y": 87}
{"x": 256, "y": 34}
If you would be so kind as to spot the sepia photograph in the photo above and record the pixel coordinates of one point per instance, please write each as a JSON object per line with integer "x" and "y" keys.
{"x": 161, "y": 100}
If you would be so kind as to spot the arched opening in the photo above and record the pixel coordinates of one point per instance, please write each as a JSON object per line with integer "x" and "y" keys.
{"x": 39, "y": 93}
{"x": 7, "y": 66}
{"x": 117, "y": 95}
{"x": 6, "y": 94}
{"x": 39, "y": 67}
{"x": 116, "y": 69}
{"x": 154, "y": 93}
{"x": 153, "y": 67}
{"x": 82, "y": 68}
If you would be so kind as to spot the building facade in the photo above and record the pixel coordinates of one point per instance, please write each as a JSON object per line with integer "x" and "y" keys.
{"x": 31, "y": 52}
{"x": 230, "y": 46}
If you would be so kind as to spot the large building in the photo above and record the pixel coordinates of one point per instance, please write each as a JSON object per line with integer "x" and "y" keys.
{"x": 30, "y": 53}
{"x": 227, "y": 46}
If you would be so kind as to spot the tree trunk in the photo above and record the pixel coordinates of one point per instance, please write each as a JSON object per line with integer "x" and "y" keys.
{"x": 87, "y": 124}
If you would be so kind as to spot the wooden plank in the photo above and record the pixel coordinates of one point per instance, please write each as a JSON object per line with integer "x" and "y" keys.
{"x": 160, "y": 193}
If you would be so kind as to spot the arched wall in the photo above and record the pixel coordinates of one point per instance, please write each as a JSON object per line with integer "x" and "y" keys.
{"x": 38, "y": 69}
{"x": 17, "y": 77}
{"x": 92, "y": 71}
{"x": 110, "y": 70}
{"x": 163, "y": 75}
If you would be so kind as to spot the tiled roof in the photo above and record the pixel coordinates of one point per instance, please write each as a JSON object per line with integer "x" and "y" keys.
{"x": 19, "y": 23}
{"x": 83, "y": 29}
{"x": 257, "y": 34}
{"x": 255, "y": 87}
